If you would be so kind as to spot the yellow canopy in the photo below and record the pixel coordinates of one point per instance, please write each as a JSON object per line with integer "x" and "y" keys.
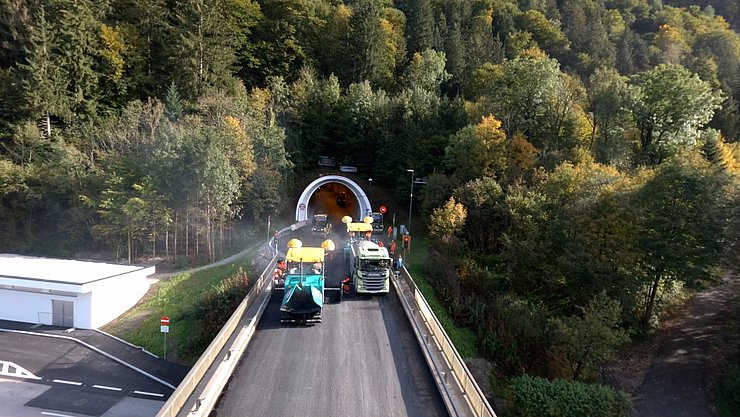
{"x": 359, "y": 227}
{"x": 305, "y": 255}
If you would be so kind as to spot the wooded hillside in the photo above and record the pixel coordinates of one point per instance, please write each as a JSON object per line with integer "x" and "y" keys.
{"x": 581, "y": 156}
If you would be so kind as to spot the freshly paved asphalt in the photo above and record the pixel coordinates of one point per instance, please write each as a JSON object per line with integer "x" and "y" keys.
{"x": 362, "y": 360}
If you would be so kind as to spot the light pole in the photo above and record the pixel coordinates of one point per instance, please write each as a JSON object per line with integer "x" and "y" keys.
{"x": 371, "y": 181}
{"x": 411, "y": 198}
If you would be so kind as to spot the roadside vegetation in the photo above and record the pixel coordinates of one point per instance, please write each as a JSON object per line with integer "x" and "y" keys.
{"x": 197, "y": 303}
{"x": 727, "y": 386}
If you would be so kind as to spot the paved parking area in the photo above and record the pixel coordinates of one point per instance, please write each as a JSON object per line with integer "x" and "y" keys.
{"x": 49, "y": 372}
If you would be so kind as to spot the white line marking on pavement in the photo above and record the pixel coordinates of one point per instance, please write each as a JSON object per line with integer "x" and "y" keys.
{"x": 108, "y": 388}
{"x": 153, "y": 394}
{"x": 61, "y": 381}
{"x": 54, "y": 414}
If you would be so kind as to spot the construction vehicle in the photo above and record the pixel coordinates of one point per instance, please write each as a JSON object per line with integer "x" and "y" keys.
{"x": 377, "y": 222}
{"x": 369, "y": 263}
{"x": 321, "y": 224}
{"x": 304, "y": 283}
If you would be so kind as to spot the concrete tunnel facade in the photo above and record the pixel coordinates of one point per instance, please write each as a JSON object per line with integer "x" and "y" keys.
{"x": 302, "y": 206}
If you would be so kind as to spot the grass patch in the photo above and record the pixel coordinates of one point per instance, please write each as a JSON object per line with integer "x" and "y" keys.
{"x": 463, "y": 338}
{"x": 178, "y": 298}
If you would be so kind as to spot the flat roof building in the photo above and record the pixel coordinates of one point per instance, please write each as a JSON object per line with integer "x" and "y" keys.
{"x": 69, "y": 293}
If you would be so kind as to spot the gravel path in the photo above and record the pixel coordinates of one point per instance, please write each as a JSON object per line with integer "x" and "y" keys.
{"x": 675, "y": 384}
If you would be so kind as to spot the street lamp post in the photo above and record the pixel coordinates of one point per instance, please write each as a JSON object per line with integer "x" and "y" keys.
{"x": 411, "y": 198}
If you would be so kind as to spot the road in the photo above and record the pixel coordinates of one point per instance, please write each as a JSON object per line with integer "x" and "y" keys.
{"x": 362, "y": 360}
{"x": 75, "y": 380}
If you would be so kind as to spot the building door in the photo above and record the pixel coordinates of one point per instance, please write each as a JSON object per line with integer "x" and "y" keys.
{"x": 62, "y": 313}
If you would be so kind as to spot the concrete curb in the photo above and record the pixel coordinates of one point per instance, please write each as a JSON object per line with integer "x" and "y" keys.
{"x": 125, "y": 342}
{"x": 91, "y": 347}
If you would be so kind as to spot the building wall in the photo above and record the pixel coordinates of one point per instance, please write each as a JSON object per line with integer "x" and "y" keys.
{"x": 114, "y": 296}
{"x": 30, "y": 307}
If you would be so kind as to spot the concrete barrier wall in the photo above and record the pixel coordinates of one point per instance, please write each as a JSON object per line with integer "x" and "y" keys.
{"x": 183, "y": 392}
{"x": 461, "y": 392}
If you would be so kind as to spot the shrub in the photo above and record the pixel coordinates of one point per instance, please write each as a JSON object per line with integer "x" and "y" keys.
{"x": 728, "y": 392}
{"x": 538, "y": 397}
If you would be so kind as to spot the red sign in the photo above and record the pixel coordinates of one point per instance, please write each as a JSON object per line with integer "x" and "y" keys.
{"x": 165, "y": 321}
{"x": 382, "y": 209}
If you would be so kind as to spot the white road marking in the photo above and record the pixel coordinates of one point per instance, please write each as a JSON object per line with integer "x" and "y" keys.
{"x": 61, "y": 381}
{"x": 54, "y": 414}
{"x": 108, "y": 388}
{"x": 153, "y": 394}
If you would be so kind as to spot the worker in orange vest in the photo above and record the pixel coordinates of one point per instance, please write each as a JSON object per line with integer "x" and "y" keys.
{"x": 345, "y": 284}
{"x": 393, "y": 247}
{"x": 390, "y": 231}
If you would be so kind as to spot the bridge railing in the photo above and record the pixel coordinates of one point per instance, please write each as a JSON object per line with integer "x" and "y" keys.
{"x": 182, "y": 394}
{"x": 434, "y": 340}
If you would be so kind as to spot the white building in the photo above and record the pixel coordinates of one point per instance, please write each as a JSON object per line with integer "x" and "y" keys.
{"x": 63, "y": 292}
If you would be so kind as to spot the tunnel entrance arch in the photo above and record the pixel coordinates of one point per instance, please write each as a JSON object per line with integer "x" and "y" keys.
{"x": 302, "y": 208}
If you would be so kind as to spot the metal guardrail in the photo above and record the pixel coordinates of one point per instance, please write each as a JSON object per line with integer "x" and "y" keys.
{"x": 452, "y": 363}
{"x": 451, "y": 369}
{"x": 179, "y": 398}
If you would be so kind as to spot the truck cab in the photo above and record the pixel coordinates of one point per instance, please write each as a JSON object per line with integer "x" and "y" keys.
{"x": 377, "y": 222}
{"x": 321, "y": 224}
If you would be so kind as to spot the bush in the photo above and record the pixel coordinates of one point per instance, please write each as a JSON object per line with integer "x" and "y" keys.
{"x": 515, "y": 334}
{"x": 728, "y": 392}
{"x": 538, "y": 397}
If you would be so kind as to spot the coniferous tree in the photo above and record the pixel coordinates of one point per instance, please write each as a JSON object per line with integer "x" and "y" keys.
{"x": 78, "y": 45}
{"x": 419, "y": 26}
{"x": 205, "y": 51}
{"x": 44, "y": 81}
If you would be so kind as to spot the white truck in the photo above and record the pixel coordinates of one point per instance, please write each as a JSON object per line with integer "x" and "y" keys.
{"x": 369, "y": 262}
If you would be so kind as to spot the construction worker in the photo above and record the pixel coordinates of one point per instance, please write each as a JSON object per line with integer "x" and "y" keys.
{"x": 393, "y": 247}
{"x": 345, "y": 285}
{"x": 368, "y": 235}
{"x": 390, "y": 231}
{"x": 277, "y": 278}
{"x": 399, "y": 263}
{"x": 380, "y": 244}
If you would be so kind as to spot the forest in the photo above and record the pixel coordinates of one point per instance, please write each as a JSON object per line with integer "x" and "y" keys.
{"x": 582, "y": 157}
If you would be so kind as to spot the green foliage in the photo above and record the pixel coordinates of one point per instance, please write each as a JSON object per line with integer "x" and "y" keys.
{"x": 183, "y": 298}
{"x": 215, "y": 308}
{"x": 586, "y": 342}
{"x": 728, "y": 391}
{"x": 537, "y": 397}
{"x": 670, "y": 106}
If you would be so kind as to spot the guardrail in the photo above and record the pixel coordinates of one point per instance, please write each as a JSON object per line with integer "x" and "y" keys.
{"x": 433, "y": 339}
{"x": 464, "y": 399}
{"x": 179, "y": 398}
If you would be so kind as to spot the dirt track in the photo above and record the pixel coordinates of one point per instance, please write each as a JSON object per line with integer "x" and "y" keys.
{"x": 676, "y": 382}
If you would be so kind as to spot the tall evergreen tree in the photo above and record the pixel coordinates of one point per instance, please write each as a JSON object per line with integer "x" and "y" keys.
{"x": 78, "y": 45}
{"x": 419, "y": 26}
{"x": 205, "y": 51}
{"x": 45, "y": 78}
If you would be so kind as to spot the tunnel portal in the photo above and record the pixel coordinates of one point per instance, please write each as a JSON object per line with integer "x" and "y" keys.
{"x": 334, "y": 195}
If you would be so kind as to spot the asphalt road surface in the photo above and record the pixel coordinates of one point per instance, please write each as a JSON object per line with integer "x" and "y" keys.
{"x": 361, "y": 360}
{"x": 74, "y": 379}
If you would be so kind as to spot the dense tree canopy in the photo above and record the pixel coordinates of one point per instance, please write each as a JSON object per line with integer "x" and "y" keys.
{"x": 581, "y": 156}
